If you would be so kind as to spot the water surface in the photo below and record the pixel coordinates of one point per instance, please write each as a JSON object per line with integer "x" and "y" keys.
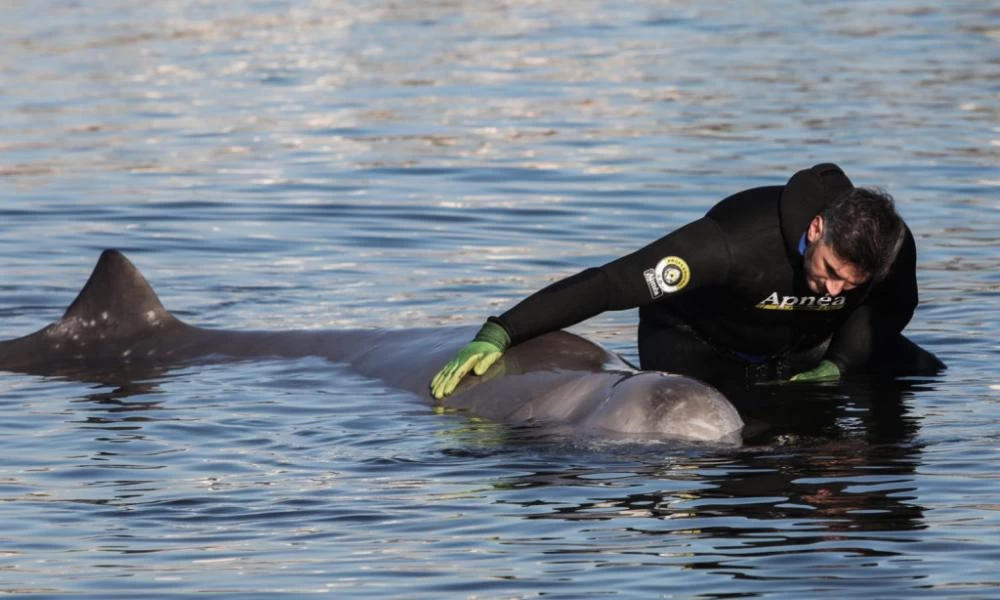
{"x": 371, "y": 164}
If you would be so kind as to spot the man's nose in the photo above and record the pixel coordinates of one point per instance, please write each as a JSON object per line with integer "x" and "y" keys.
{"x": 834, "y": 287}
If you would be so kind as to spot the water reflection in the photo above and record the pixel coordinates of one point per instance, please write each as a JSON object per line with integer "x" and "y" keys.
{"x": 874, "y": 409}
{"x": 116, "y": 400}
{"x": 836, "y": 465}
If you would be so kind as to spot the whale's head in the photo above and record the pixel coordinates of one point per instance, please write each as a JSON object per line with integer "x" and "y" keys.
{"x": 674, "y": 406}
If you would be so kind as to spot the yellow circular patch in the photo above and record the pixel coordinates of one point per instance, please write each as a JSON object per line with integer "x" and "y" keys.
{"x": 672, "y": 274}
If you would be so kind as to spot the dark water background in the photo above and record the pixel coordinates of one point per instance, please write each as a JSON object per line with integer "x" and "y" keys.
{"x": 398, "y": 164}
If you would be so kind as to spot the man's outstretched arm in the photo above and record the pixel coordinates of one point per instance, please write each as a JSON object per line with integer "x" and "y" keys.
{"x": 635, "y": 280}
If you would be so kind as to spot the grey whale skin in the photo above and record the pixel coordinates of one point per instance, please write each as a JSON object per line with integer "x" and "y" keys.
{"x": 117, "y": 326}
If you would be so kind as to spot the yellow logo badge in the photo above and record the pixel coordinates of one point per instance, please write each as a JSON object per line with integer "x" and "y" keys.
{"x": 670, "y": 275}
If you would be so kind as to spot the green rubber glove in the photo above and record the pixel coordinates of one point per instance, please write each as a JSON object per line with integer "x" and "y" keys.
{"x": 477, "y": 356}
{"x": 824, "y": 371}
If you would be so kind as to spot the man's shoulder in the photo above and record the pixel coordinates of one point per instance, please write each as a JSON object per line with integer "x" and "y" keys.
{"x": 748, "y": 206}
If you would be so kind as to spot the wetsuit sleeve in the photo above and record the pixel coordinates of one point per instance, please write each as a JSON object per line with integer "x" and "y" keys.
{"x": 692, "y": 256}
{"x": 883, "y": 315}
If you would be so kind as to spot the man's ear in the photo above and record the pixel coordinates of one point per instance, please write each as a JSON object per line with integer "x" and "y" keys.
{"x": 815, "y": 231}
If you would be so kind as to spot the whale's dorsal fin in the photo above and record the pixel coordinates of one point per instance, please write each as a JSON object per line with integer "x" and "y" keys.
{"x": 116, "y": 300}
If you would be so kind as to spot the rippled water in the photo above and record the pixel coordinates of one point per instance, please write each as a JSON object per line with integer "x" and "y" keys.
{"x": 401, "y": 164}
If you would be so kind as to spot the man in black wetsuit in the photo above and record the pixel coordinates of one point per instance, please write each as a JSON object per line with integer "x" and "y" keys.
{"x": 809, "y": 280}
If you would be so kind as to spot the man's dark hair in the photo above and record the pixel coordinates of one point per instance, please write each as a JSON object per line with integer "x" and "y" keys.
{"x": 863, "y": 228}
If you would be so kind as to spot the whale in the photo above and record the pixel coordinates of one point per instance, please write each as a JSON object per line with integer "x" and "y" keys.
{"x": 117, "y": 329}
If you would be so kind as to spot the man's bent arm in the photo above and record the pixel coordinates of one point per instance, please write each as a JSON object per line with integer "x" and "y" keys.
{"x": 885, "y": 313}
